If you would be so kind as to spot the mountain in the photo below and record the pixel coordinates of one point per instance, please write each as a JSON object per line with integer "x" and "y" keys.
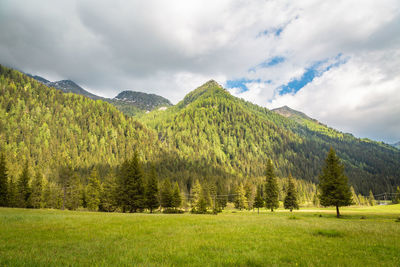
{"x": 293, "y": 114}
{"x": 143, "y": 101}
{"x": 210, "y": 135}
{"x": 210, "y": 125}
{"x": 130, "y": 103}
{"x": 396, "y": 145}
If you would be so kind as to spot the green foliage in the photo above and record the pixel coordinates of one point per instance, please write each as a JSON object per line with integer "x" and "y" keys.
{"x": 109, "y": 195}
{"x": 151, "y": 191}
{"x": 24, "y": 189}
{"x": 93, "y": 191}
{"x": 258, "y": 201}
{"x": 271, "y": 192}
{"x": 3, "y": 181}
{"x": 131, "y": 185}
{"x": 241, "y": 200}
{"x": 290, "y": 201}
{"x": 334, "y": 188}
{"x": 37, "y": 191}
{"x": 199, "y": 202}
{"x": 396, "y": 198}
{"x": 166, "y": 195}
{"x": 176, "y": 199}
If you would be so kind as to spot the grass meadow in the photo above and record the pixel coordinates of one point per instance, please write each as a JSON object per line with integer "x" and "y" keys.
{"x": 363, "y": 237}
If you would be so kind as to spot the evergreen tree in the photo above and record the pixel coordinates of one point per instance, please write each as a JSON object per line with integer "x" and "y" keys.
{"x": 131, "y": 185}
{"x": 37, "y": 191}
{"x": 3, "y": 182}
{"x": 176, "y": 200}
{"x": 73, "y": 193}
{"x": 65, "y": 175}
{"x": 396, "y": 199}
{"x": 333, "y": 185}
{"x": 291, "y": 201}
{"x": 93, "y": 191}
{"x": 199, "y": 203}
{"x": 24, "y": 190}
{"x": 151, "y": 192}
{"x": 166, "y": 195}
{"x": 12, "y": 193}
{"x": 241, "y": 200}
{"x": 354, "y": 197}
{"x": 250, "y": 194}
{"x": 108, "y": 195}
{"x": 258, "y": 201}
{"x": 271, "y": 192}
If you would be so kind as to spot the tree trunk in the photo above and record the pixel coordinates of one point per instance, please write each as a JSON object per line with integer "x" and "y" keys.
{"x": 290, "y": 210}
{"x": 151, "y": 210}
{"x": 272, "y": 209}
{"x": 337, "y": 212}
{"x": 258, "y": 210}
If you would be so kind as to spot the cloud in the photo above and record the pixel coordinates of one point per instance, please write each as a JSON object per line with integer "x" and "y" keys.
{"x": 171, "y": 47}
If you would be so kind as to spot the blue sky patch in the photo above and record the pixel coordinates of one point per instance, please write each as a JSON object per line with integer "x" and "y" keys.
{"x": 310, "y": 73}
{"x": 240, "y": 83}
{"x": 268, "y": 63}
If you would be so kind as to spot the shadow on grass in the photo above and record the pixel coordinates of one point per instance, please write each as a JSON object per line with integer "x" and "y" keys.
{"x": 328, "y": 233}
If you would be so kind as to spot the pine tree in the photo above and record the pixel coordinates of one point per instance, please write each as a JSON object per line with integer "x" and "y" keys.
{"x": 291, "y": 201}
{"x": 151, "y": 191}
{"x": 108, "y": 195}
{"x": 64, "y": 177}
{"x": 73, "y": 193}
{"x": 131, "y": 187}
{"x": 241, "y": 200}
{"x": 333, "y": 185}
{"x": 12, "y": 193}
{"x": 93, "y": 191}
{"x": 271, "y": 188}
{"x": 354, "y": 197}
{"x": 166, "y": 195}
{"x": 396, "y": 199}
{"x": 199, "y": 203}
{"x": 176, "y": 200}
{"x": 258, "y": 201}
{"x": 3, "y": 182}
{"x": 37, "y": 191}
{"x": 24, "y": 190}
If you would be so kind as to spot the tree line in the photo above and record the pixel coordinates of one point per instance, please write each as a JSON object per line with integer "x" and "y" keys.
{"x": 134, "y": 190}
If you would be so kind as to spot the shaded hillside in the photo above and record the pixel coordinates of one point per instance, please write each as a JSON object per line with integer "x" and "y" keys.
{"x": 211, "y": 125}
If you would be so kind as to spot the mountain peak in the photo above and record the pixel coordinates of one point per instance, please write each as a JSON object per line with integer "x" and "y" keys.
{"x": 210, "y": 88}
{"x": 293, "y": 114}
{"x": 142, "y": 100}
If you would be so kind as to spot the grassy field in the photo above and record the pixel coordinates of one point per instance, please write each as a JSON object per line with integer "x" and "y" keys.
{"x": 364, "y": 236}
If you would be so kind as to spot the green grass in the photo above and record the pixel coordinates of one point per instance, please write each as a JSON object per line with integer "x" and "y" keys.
{"x": 65, "y": 238}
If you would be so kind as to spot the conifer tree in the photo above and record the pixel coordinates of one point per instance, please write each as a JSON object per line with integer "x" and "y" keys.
{"x": 166, "y": 195}
{"x": 37, "y": 191}
{"x": 12, "y": 193}
{"x": 396, "y": 199}
{"x": 291, "y": 201}
{"x": 354, "y": 197}
{"x": 199, "y": 203}
{"x": 241, "y": 200}
{"x": 151, "y": 192}
{"x": 271, "y": 192}
{"x": 108, "y": 195}
{"x": 131, "y": 185}
{"x": 73, "y": 193}
{"x": 64, "y": 177}
{"x": 258, "y": 201}
{"x": 176, "y": 200}
{"x": 333, "y": 185}
{"x": 24, "y": 190}
{"x": 3, "y": 182}
{"x": 93, "y": 191}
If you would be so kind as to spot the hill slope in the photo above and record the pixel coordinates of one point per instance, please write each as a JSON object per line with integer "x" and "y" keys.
{"x": 211, "y": 125}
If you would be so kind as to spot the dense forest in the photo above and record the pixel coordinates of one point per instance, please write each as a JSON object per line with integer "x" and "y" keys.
{"x": 210, "y": 138}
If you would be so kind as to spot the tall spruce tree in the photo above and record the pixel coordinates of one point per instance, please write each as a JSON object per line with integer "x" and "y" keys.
{"x": 37, "y": 191}
{"x": 241, "y": 200}
{"x": 108, "y": 195}
{"x": 24, "y": 189}
{"x": 396, "y": 198}
{"x": 3, "y": 181}
{"x": 93, "y": 191}
{"x": 258, "y": 201}
{"x": 199, "y": 203}
{"x": 291, "y": 201}
{"x": 176, "y": 200}
{"x": 64, "y": 178}
{"x": 166, "y": 195}
{"x": 151, "y": 192}
{"x": 333, "y": 184}
{"x": 131, "y": 185}
{"x": 271, "y": 192}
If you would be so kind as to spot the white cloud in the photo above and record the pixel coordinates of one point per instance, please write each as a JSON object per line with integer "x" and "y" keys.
{"x": 171, "y": 47}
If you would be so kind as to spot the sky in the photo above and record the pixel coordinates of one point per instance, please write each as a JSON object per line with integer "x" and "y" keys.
{"x": 337, "y": 61}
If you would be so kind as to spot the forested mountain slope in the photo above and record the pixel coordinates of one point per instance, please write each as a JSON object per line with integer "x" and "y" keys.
{"x": 211, "y": 125}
